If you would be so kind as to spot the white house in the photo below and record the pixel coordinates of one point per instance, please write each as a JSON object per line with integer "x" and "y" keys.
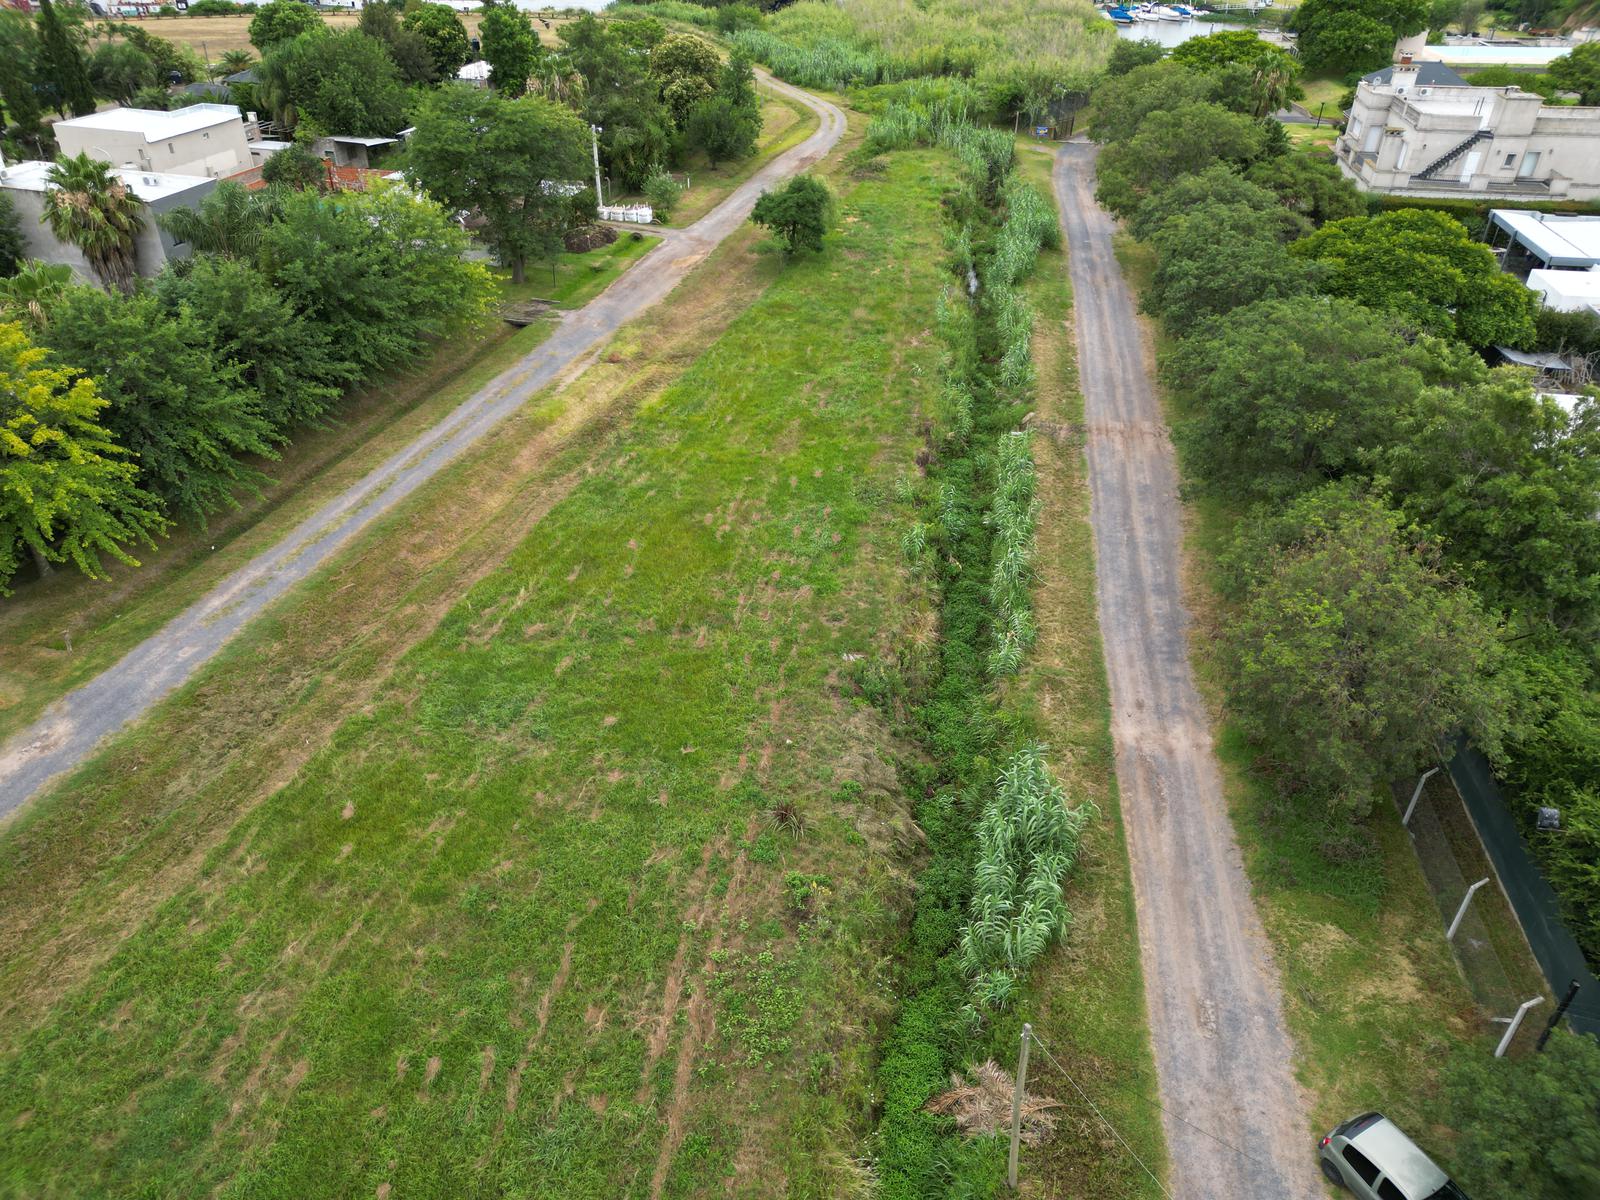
{"x": 207, "y": 140}
{"x": 1411, "y": 137}
{"x": 1568, "y": 291}
{"x": 26, "y": 183}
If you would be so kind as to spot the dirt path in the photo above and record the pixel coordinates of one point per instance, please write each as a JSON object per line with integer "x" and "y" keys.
{"x": 69, "y": 730}
{"x": 1223, "y": 1055}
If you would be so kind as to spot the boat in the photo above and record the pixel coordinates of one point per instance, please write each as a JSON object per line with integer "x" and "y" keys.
{"x": 1120, "y": 15}
{"x": 1142, "y": 14}
{"x": 1164, "y": 13}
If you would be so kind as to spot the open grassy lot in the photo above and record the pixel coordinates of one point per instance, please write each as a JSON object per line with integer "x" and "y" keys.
{"x": 211, "y": 37}
{"x": 56, "y": 633}
{"x": 575, "y": 279}
{"x": 1086, "y": 997}
{"x": 1324, "y": 91}
{"x": 1373, "y": 995}
{"x": 507, "y": 915}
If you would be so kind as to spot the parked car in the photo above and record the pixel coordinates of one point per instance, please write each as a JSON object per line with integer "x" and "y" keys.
{"x": 1370, "y": 1156}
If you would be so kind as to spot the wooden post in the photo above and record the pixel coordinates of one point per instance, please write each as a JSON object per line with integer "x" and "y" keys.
{"x": 1016, "y": 1105}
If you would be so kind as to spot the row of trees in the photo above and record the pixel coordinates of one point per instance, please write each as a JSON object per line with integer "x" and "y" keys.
{"x": 124, "y": 409}
{"x": 1419, "y": 554}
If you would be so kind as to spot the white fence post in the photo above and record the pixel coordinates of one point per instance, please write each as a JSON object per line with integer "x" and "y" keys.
{"x": 1410, "y": 808}
{"x": 1511, "y": 1030}
{"x": 1462, "y": 911}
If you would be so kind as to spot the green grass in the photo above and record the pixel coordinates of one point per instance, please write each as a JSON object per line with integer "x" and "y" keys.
{"x": 506, "y": 932}
{"x": 578, "y": 278}
{"x": 1086, "y": 999}
{"x": 59, "y": 633}
{"x": 1372, "y": 993}
{"x": 1323, "y": 90}
{"x": 1312, "y": 137}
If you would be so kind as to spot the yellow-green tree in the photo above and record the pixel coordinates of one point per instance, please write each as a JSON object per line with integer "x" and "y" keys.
{"x": 68, "y": 493}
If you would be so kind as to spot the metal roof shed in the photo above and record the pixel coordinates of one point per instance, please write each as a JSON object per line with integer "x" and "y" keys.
{"x": 1555, "y": 239}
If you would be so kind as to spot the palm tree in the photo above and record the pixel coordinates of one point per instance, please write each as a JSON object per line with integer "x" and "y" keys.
{"x": 29, "y": 294}
{"x": 92, "y": 209}
{"x": 228, "y": 222}
{"x": 234, "y": 61}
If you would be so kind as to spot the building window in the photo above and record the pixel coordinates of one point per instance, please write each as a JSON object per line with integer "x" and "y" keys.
{"x": 1355, "y": 127}
{"x": 1511, "y": 160}
{"x": 1400, "y": 159}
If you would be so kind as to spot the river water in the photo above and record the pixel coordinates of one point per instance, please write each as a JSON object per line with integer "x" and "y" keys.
{"x": 1170, "y": 33}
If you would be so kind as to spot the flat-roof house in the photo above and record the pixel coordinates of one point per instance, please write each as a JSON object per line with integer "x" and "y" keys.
{"x": 26, "y": 183}
{"x": 1568, "y": 291}
{"x": 1412, "y": 138}
{"x": 208, "y": 140}
{"x": 1552, "y": 241}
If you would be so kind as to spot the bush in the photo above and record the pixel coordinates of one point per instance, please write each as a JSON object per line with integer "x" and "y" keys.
{"x": 661, "y": 193}
{"x": 799, "y": 213}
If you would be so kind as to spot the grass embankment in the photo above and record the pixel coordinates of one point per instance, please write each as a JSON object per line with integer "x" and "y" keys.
{"x": 59, "y": 632}
{"x": 1373, "y": 995}
{"x": 519, "y": 923}
{"x": 1086, "y": 998}
{"x": 215, "y": 36}
{"x": 577, "y": 279}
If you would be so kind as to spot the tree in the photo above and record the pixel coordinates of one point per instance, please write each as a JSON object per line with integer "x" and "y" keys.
{"x": 1425, "y": 267}
{"x": 799, "y": 213}
{"x": 378, "y": 271}
{"x": 228, "y": 221}
{"x": 119, "y": 70}
{"x": 1526, "y": 1126}
{"x": 29, "y": 295}
{"x": 282, "y": 21}
{"x": 62, "y": 70}
{"x": 661, "y": 193}
{"x": 67, "y": 492}
{"x": 11, "y": 244}
{"x": 1351, "y": 651}
{"x": 1513, "y": 485}
{"x": 409, "y": 49}
{"x": 1172, "y": 143}
{"x": 287, "y": 360}
{"x": 721, "y": 130}
{"x": 1348, "y": 36}
{"x": 510, "y": 46}
{"x": 1579, "y": 72}
{"x": 295, "y": 167}
{"x": 445, "y": 35}
{"x": 1127, "y": 56}
{"x": 687, "y": 69}
{"x": 90, "y": 208}
{"x": 1311, "y": 187}
{"x": 1267, "y": 74}
{"x": 1286, "y": 396}
{"x": 615, "y": 92}
{"x": 183, "y": 414}
{"x": 474, "y": 150}
{"x": 19, "y": 70}
{"x": 1218, "y": 184}
{"x": 342, "y": 83}
{"x": 1120, "y": 105}
{"x": 1215, "y": 258}
{"x": 238, "y": 59}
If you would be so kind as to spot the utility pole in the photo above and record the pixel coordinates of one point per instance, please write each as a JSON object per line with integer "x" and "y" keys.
{"x": 594, "y": 139}
{"x": 1016, "y": 1106}
{"x": 1410, "y": 808}
{"x": 1555, "y": 1019}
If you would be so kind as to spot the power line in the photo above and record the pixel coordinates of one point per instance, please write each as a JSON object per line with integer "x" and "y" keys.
{"x": 1101, "y": 1115}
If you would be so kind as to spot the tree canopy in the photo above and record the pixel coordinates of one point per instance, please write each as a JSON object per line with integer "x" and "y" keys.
{"x": 444, "y": 35}
{"x": 92, "y": 209}
{"x": 1170, "y": 144}
{"x": 282, "y": 21}
{"x": 68, "y": 492}
{"x": 798, "y": 212}
{"x": 510, "y": 46}
{"x": 334, "y": 83}
{"x": 1579, "y": 72}
{"x": 476, "y": 150}
{"x": 1352, "y": 652}
{"x": 1216, "y": 257}
{"x": 1217, "y": 184}
{"x": 1345, "y": 36}
{"x": 1309, "y": 186}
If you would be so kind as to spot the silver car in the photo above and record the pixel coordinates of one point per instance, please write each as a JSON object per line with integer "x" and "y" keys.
{"x": 1370, "y": 1156}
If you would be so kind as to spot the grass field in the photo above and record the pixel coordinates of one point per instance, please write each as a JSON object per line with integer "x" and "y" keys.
{"x": 1373, "y": 995}
{"x": 212, "y": 37}
{"x": 575, "y": 279}
{"x": 59, "y": 632}
{"x": 477, "y": 894}
{"x": 1086, "y": 998}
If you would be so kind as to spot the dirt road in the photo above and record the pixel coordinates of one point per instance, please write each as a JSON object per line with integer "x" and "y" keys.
{"x": 1223, "y": 1055}
{"x": 69, "y": 730}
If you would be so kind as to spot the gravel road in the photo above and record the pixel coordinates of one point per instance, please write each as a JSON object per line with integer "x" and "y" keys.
{"x": 1223, "y": 1055}
{"x": 69, "y": 730}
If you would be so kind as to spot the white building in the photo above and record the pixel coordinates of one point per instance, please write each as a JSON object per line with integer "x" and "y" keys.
{"x": 1420, "y": 139}
{"x": 1568, "y": 291}
{"x": 26, "y": 183}
{"x": 208, "y": 140}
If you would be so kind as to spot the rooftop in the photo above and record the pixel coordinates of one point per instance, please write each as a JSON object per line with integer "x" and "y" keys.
{"x": 146, "y": 185}
{"x": 1429, "y": 74}
{"x": 1568, "y": 287}
{"x": 155, "y": 125}
{"x": 1559, "y": 239}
